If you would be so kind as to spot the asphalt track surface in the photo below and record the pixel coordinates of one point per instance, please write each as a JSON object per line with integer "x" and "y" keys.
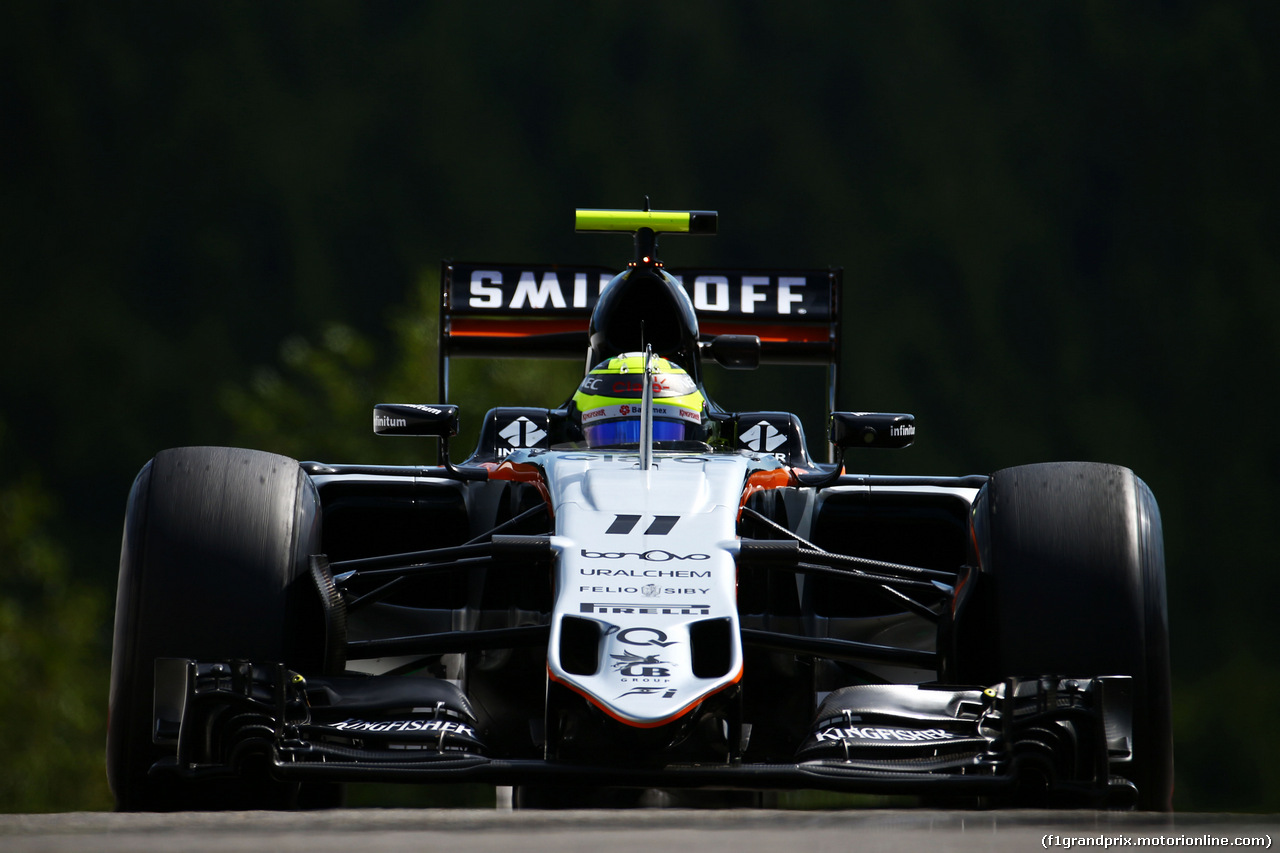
{"x": 634, "y": 831}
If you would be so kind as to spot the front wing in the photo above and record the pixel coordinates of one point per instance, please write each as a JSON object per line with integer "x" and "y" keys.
{"x": 1024, "y": 738}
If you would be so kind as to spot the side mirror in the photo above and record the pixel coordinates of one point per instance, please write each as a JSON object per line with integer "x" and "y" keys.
{"x": 866, "y": 429}
{"x": 438, "y": 420}
{"x": 735, "y": 352}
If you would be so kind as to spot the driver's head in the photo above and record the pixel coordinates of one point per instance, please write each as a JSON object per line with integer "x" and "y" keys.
{"x": 610, "y": 398}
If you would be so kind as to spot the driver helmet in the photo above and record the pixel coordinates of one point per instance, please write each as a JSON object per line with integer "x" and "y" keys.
{"x": 610, "y": 398}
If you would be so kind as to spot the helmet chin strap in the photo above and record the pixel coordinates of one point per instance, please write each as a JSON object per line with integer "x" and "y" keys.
{"x": 646, "y": 412}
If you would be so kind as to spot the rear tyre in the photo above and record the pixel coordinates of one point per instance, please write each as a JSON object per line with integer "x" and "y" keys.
{"x": 214, "y": 540}
{"x": 1072, "y": 583}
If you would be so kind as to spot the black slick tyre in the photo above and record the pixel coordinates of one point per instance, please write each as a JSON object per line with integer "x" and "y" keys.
{"x": 213, "y": 566}
{"x": 1071, "y": 582}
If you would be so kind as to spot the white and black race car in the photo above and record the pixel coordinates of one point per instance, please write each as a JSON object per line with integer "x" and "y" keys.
{"x": 638, "y": 590}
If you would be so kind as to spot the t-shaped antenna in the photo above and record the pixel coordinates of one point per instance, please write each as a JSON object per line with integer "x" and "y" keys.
{"x": 647, "y": 225}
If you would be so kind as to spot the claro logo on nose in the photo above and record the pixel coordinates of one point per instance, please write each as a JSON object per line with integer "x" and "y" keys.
{"x": 648, "y": 556}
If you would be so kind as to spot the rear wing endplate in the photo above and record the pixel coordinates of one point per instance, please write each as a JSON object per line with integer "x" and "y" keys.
{"x": 543, "y": 311}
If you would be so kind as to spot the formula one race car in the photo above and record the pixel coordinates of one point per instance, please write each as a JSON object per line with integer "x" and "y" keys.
{"x": 638, "y": 590}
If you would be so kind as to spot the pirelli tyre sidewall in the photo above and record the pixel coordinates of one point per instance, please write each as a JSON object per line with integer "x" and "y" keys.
{"x": 213, "y": 565}
{"x": 1072, "y": 583}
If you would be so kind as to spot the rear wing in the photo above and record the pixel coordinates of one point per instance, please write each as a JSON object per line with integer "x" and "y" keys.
{"x": 504, "y": 310}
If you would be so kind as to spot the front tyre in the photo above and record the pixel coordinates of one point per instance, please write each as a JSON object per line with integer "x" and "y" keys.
{"x": 214, "y": 540}
{"x": 1072, "y": 583}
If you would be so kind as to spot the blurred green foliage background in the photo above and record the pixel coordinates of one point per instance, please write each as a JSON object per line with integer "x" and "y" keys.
{"x": 222, "y": 223}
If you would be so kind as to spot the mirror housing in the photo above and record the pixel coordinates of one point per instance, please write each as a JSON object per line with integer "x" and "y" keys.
{"x": 439, "y": 420}
{"x": 867, "y": 429}
{"x": 735, "y": 352}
